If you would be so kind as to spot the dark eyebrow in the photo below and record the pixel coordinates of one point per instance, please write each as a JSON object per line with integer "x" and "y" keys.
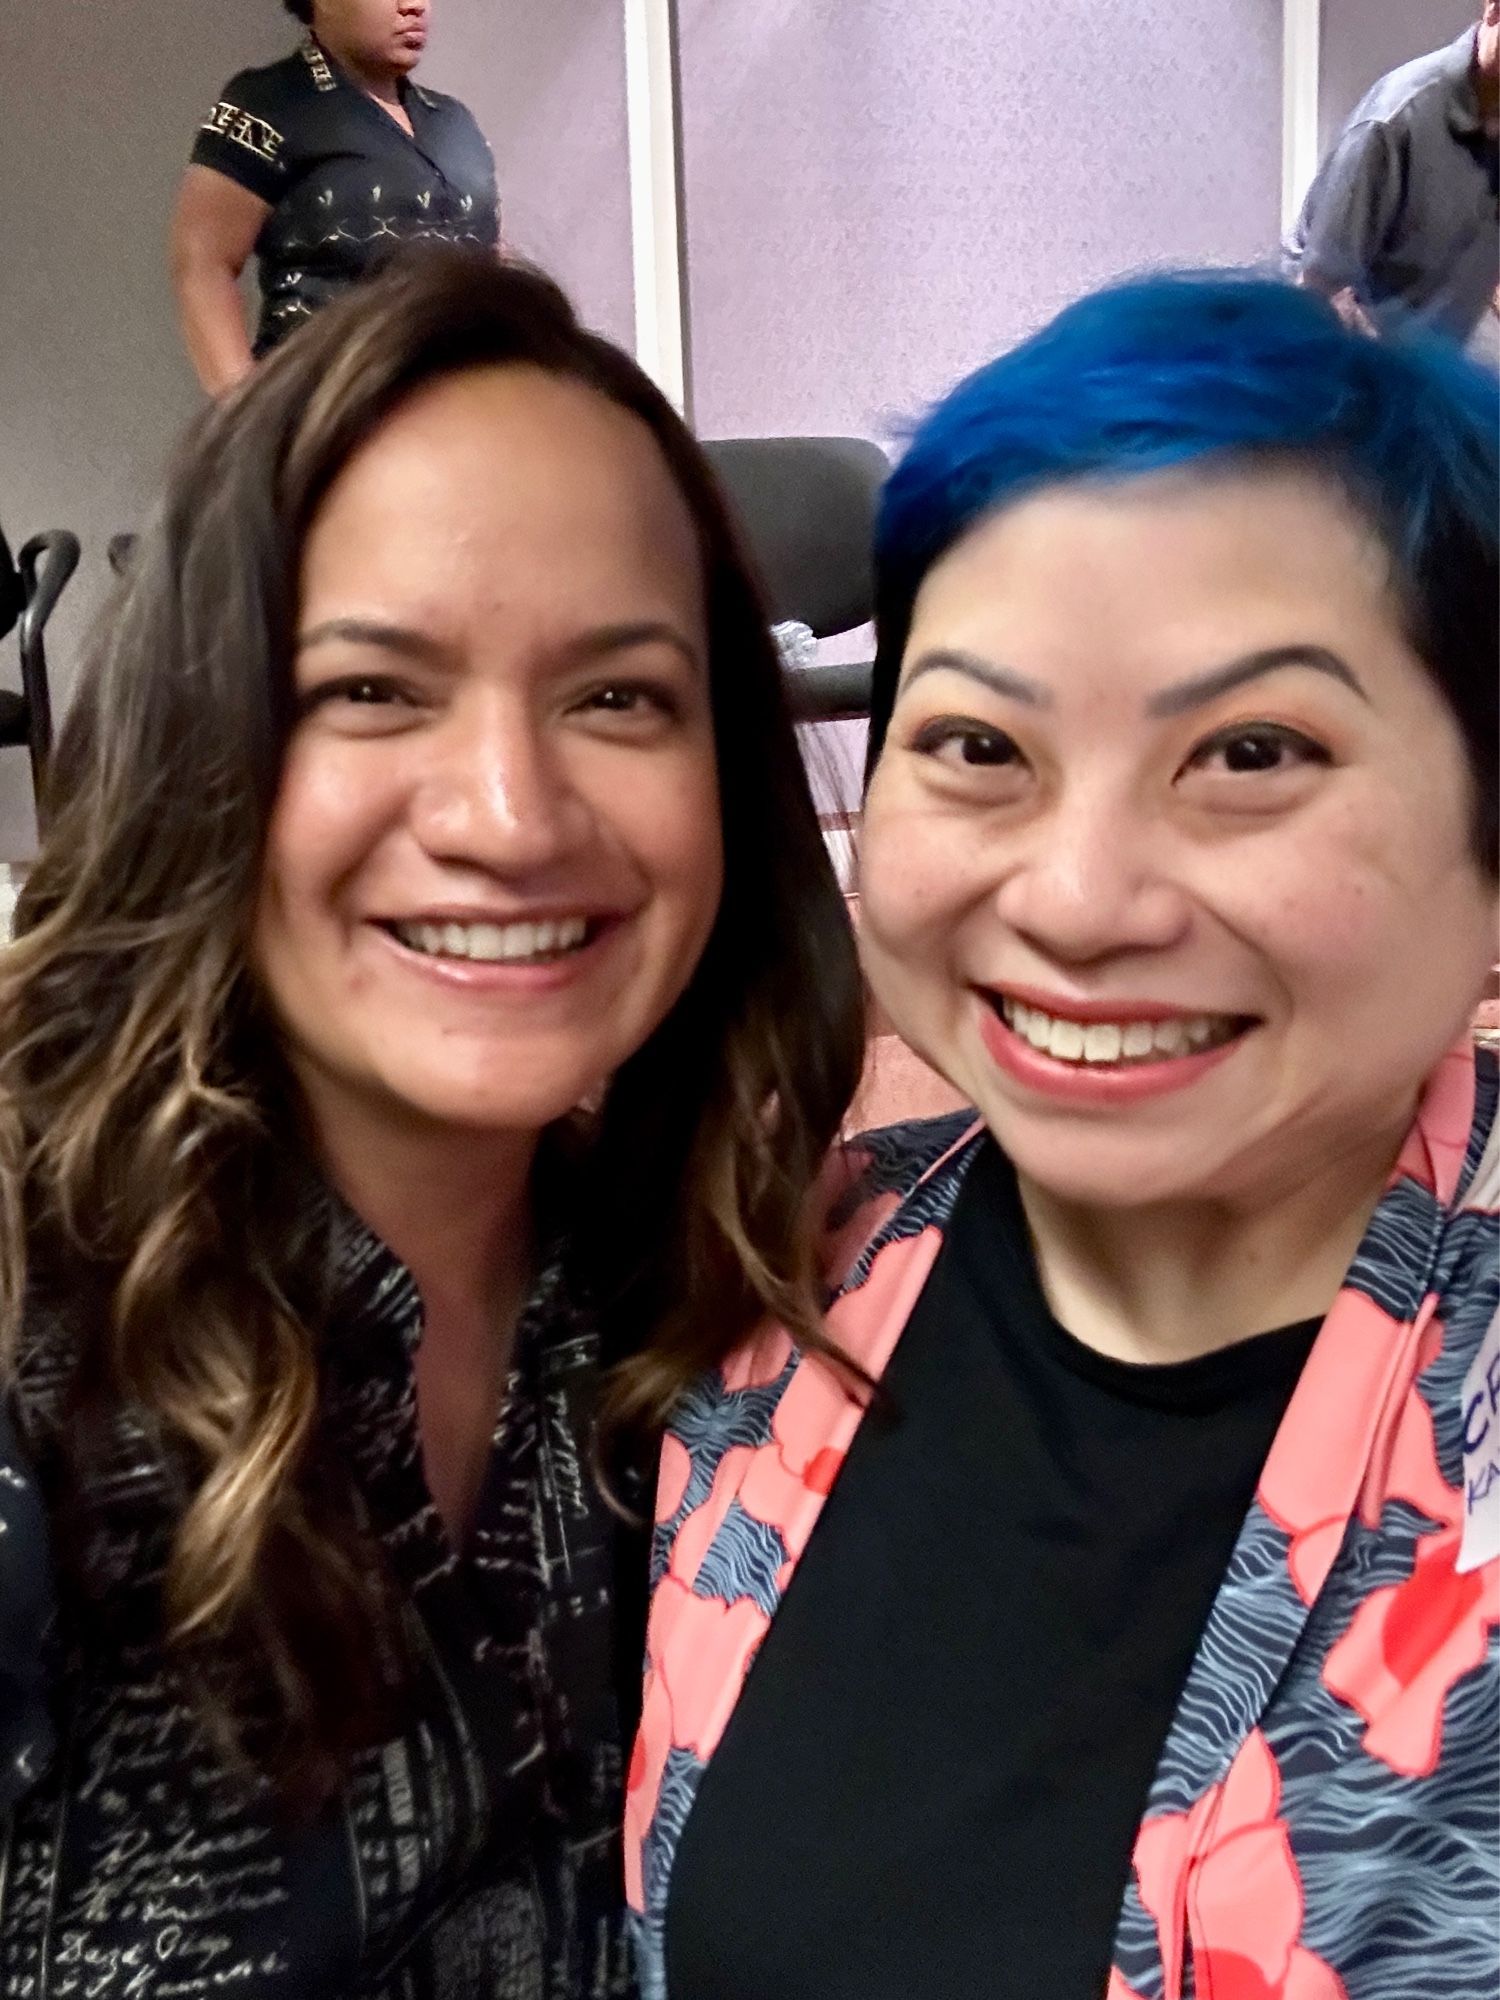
{"x": 598, "y": 644}
{"x": 606, "y": 639}
{"x": 1188, "y": 695}
{"x": 999, "y": 680}
{"x": 371, "y": 632}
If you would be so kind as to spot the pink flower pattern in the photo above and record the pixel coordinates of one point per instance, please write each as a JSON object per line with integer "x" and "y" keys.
{"x": 1217, "y": 1890}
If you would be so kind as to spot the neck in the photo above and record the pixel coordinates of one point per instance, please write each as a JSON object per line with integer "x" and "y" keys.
{"x": 377, "y": 80}
{"x": 1173, "y": 1281}
{"x": 455, "y": 1208}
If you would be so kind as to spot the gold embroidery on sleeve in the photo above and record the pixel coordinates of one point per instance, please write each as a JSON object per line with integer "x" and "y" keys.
{"x": 242, "y": 128}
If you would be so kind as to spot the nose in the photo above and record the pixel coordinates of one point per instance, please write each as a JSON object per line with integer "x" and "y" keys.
{"x": 1093, "y": 884}
{"x": 496, "y": 793}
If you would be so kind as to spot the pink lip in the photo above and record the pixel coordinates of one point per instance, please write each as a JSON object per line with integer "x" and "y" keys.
{"x": 469, "y": 975}
{"x": 1063, "y": 1006}
{"x": 1075, "y": 1083}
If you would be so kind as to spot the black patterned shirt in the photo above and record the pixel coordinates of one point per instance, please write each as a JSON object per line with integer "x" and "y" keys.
{"x": 475, "y": 1857}
{"x": 346, "y": 184}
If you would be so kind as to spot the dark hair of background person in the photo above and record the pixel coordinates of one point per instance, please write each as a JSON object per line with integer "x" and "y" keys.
{"x": 147, "y": 1124}
{"x": 300, "y": 10}
{"x": 1217, "y": 373}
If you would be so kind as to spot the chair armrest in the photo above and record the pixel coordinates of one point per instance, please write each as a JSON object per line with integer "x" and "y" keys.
{"x": 830, "y": 693}
{"x": 46, "y": 563}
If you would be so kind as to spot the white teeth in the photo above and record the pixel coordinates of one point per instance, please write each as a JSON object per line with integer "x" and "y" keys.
{"x": 1065, "y": 1041}
{"x": 495, "y": 944}
{"x": 1115, "y": 1041}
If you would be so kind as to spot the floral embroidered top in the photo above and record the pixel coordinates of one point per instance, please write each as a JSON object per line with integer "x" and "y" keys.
{"x": 1323, "y": 1823}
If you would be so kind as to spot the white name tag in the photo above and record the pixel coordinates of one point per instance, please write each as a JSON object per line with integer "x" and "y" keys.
{"x": 1480, "y": 1542}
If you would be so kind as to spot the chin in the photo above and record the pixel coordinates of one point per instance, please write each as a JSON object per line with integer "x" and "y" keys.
{"x": 1099, "y": 1169}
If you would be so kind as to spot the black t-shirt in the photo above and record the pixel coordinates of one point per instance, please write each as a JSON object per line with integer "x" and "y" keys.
{"x": 933, "y": 1779}
{"x": 346, "y": 185}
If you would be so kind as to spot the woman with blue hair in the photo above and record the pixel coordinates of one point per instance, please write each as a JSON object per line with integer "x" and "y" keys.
{"x": 1122, "y": 1620}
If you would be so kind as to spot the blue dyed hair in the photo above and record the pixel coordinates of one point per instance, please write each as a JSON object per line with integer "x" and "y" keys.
{"x": 1220, "y": 370}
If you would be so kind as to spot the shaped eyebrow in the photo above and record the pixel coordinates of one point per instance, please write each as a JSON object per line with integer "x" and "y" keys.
{"x": 1204, "y": 688}
{"x": 999, "y": 680}
{"x": 1180, "y": 699}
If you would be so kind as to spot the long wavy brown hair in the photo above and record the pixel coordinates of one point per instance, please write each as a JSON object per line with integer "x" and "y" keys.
{"x": 150, "y": 1142}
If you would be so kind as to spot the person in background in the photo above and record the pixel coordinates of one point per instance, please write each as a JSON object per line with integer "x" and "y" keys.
{"x": 1403, "y": 218}
{"x": 432, "y": 984}
{"x": 320, "y": 165}
{"x": 1140, "y": 1636}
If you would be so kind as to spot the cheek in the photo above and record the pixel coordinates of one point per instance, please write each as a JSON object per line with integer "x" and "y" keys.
{"x": 329, "y": 813}
{"x": 670, "y": 821}
{"x": 1368, "y": 899}
{"x": 917, "y": 879}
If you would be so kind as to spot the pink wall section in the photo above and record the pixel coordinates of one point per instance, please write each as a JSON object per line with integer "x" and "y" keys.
{"x": 880, "y": 193}
{"x": 547, "y": 83}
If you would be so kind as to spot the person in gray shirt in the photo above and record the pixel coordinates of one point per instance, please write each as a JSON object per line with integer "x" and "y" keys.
{"x": 1402, "y": 218}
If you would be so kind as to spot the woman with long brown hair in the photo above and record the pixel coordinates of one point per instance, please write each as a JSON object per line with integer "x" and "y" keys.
{"x": 432, "y": 781}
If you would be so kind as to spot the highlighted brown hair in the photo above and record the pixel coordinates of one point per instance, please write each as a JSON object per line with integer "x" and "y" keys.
{"x": 147, "y": 1122}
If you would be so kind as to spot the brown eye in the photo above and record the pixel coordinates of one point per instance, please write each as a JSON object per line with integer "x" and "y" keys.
{"x": 958, "y": 740}
{"x": 1258, "y": 750}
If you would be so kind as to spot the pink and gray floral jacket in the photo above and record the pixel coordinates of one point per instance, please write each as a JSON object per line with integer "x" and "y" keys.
{"x": 1324, "y": 1823}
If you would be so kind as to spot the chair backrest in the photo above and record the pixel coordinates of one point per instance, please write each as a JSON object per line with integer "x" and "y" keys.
{"x": 806, "y": 508}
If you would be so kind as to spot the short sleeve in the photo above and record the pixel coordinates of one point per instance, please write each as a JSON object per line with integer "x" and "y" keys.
{"x": 26, "y": 1620}
{"x": 244, "y": 137}
{"x": 1350, "y": 211}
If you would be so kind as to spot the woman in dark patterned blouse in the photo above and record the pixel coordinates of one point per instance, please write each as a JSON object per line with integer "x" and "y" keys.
{"x": 432, "y": 781}
{"x": 320, "y": 165}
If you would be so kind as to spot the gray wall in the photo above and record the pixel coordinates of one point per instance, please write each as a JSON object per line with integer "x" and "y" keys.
{"x": 1362, "y": 39}
{"x": 98, "y": 103}
{"x": 881, "y": 193}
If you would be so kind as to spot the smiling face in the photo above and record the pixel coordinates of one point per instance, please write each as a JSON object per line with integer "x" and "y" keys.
{"x": 374, "y": 36}
{"x": 1166, "y": 861}
{"x": 495, "y": 855}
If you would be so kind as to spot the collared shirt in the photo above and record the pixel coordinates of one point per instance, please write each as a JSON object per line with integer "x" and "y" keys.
{"x": 1404, "y": 209}
{"x": 1322, "y": 1823}
{"x": 476, "y": 1854}
{"x": 346, "y": 184}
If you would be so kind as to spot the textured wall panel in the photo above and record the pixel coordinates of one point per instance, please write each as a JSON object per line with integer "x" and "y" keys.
{"x": 881, "y": 193}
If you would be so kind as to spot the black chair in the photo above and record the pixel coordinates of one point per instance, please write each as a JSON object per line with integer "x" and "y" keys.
{"x": 29, "y": 589}
{"x": 806, "y": 508}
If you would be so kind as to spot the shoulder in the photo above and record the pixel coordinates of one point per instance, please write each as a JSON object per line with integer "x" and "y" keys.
{"x": 277, "y": 86}
{"x": 1403, "y": 93}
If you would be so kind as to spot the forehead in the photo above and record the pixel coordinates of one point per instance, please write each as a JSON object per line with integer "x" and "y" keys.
{"x": 1185, "y": 560}
{"x": 503, "y": 479}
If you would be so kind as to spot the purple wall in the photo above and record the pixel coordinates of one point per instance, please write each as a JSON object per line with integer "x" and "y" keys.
{"x": 547, "y": 82}
{"x": 880, "y": 194}
{"x": 1362, "y": 39}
